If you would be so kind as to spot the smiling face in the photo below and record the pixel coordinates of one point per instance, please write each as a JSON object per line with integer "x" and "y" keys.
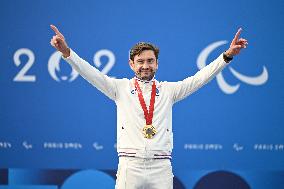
{"x": 144, "y": 65}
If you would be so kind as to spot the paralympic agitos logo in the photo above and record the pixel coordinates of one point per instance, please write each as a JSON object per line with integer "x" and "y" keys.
{"x": 224, "y": 86}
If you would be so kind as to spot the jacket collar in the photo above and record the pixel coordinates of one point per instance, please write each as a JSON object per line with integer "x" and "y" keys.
{"x": 144, "y": 81}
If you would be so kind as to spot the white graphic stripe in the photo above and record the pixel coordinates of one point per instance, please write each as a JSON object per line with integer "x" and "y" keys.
{"x": 224, "y": 86}
{"x": 258, "y": 80}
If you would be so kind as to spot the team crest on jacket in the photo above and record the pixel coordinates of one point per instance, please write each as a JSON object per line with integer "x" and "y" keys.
{"x": 157, "y": 92}
{"x": 133, "y": 91}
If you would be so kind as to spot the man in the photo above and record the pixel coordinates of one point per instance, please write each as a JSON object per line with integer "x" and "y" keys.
{"x": 144, "y": 110}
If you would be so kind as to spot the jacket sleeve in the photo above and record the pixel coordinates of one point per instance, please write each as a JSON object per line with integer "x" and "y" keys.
{"x": 182, "y": 89}
{"x": 102, "y": 82}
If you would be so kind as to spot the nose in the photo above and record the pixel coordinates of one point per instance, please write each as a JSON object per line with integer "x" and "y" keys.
{"x": 145, "y": 66}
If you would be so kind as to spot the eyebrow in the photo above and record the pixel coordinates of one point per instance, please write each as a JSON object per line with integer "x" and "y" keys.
{"x": 145, "y": 59}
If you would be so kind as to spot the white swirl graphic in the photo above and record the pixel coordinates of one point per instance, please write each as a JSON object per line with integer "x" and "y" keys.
{"x": 258, "y": 80}
{"x": 53, "y": 64}
{"x": 224, "y": 86}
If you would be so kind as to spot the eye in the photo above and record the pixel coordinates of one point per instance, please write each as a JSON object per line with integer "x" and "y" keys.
{"x": 150, "y": 61}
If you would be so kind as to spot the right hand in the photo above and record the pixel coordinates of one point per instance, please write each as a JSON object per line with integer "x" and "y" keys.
{"x": 58, "y": 42}
{"x": 236, "y": 45}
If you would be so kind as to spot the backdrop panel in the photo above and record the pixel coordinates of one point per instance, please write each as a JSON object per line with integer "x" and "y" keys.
{"x": 52, "y": 120}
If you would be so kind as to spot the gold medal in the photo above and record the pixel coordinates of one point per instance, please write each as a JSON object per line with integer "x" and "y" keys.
{"x": 149, "y": 131}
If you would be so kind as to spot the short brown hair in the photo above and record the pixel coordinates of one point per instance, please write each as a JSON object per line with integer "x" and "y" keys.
{"x": 141, "y": 46}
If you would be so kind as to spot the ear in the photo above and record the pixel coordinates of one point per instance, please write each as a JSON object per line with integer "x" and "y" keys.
{"x": 131, "y": 64}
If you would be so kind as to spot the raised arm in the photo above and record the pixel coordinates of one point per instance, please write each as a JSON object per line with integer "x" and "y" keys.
{"x": 189, "y": 85}
{"x": 102, "y": 82}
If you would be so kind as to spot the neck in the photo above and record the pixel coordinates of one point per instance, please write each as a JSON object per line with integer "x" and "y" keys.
{"x": 144, "y": 79}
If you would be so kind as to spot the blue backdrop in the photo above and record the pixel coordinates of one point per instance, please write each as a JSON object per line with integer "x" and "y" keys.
{"x": 57, "y": 131}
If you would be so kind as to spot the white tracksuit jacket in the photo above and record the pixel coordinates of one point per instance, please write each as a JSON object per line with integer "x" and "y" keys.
{"x": 130, "y": 116}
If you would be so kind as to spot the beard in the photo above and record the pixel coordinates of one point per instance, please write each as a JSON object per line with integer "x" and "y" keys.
{"x": 145, "y": 76}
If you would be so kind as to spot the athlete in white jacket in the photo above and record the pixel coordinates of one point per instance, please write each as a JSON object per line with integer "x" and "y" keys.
{"x": 144, "y": 110}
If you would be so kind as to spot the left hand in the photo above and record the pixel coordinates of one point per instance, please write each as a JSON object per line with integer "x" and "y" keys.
{"x": 236, "y": 45}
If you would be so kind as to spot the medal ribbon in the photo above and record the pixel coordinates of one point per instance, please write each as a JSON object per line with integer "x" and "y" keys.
{"x": 147, "y": 114}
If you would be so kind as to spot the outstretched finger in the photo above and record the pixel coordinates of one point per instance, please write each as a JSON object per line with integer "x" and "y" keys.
{"x": 54, "y": 28}
{"x": 237, "y": 35}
